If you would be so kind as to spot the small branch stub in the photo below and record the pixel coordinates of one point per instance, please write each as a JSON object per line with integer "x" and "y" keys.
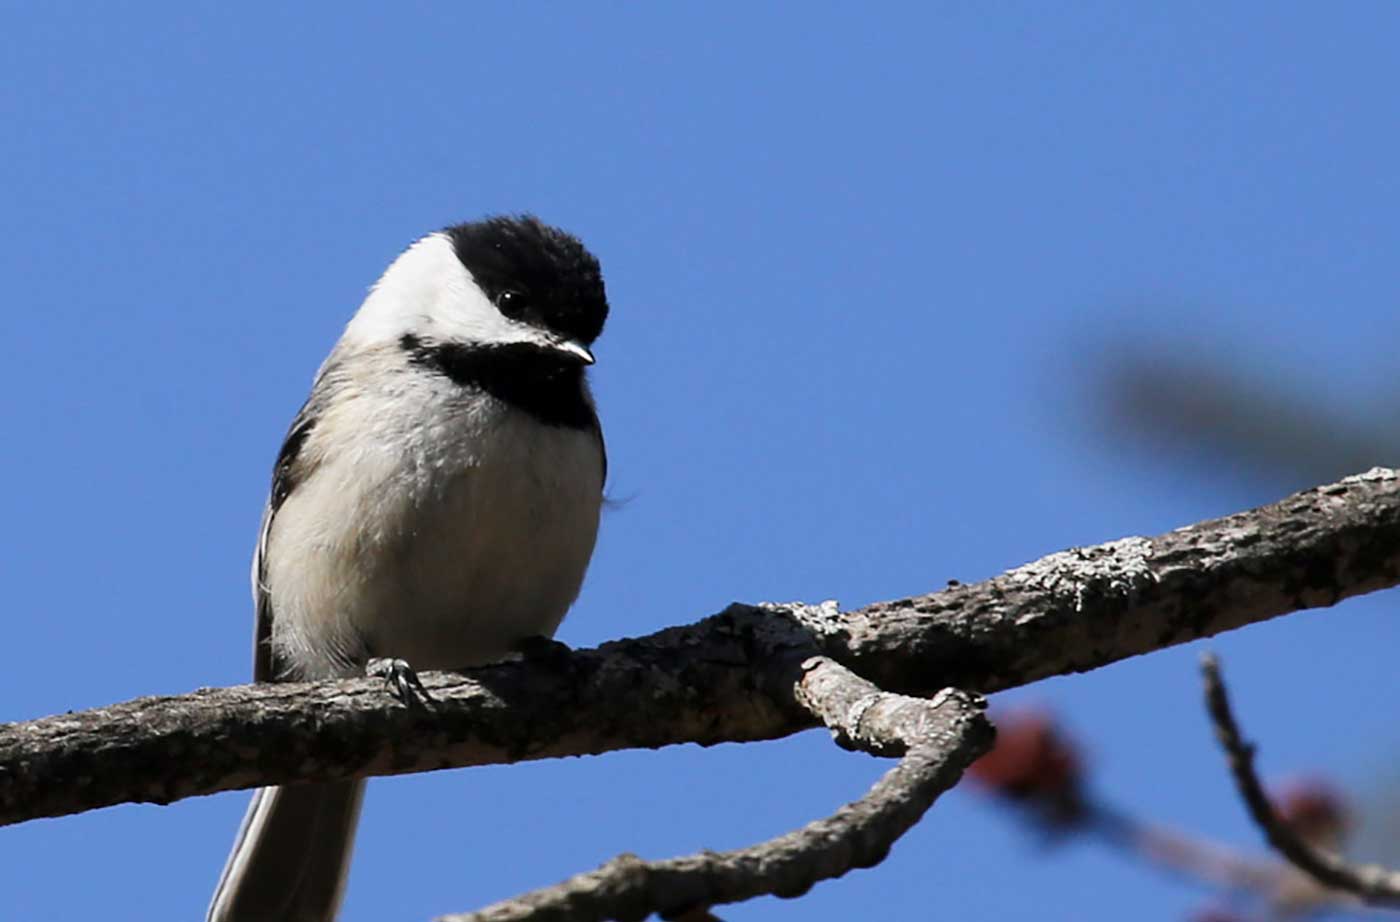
{"x": 939, "y": 739}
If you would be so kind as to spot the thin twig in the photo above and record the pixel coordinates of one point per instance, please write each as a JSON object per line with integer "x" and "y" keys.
{"x": 938, "y": 739}
{"x": 1372, "y": 883}
{"x": 1187, "y": 855}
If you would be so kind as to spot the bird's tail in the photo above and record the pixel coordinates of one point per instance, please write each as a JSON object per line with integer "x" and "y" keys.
{"x": 290, "y": 859}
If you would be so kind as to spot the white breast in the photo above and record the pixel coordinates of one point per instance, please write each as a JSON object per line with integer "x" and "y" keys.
{"x": 452, "y": 534}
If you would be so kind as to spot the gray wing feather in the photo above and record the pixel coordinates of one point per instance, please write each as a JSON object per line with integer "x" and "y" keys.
{"x": 292, "y": 468}
{"x": 291, "y": 855}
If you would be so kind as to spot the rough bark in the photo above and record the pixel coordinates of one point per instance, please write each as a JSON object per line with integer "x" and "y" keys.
{"x": 727, "y": 677}
{"x": 937, "y": 739}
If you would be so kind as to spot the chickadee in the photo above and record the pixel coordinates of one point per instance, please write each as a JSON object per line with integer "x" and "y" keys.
{"x": 436, "y": 500}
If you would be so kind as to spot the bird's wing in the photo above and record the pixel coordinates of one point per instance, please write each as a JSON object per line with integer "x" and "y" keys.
{"x": 292, "y": 467}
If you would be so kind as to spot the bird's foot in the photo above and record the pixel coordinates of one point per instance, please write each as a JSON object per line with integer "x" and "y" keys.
{"x": 539, "y": 648}
{"x": 403, "y": 682}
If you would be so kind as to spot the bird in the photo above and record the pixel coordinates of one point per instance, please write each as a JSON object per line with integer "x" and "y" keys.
{"x": 435, "y": 504}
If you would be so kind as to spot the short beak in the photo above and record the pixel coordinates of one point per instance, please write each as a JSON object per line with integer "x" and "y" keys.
{"x": 574, "y": 349}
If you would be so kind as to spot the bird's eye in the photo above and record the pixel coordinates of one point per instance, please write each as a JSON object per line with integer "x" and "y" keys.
{"x": 511, "y": 302}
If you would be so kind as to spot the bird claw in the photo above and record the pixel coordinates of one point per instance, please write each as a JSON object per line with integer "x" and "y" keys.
{"x": 403, "y": 682}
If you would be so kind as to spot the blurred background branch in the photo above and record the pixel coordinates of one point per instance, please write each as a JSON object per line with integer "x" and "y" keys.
{"x": 1191, "y": 405}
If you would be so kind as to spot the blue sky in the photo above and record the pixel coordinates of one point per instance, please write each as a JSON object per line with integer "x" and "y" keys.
{"x": 863, "y": 266}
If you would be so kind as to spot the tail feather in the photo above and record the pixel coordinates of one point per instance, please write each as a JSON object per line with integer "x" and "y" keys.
{"x": 291, "y": 856}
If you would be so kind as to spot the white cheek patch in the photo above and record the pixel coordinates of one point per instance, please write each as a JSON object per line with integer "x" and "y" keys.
{"x": 428, "y": 292}
{"x": 465, "y": 314}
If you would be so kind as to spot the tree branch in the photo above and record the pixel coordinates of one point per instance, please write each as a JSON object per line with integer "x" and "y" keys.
{"x": 1370, "y": 882}
{"x": 722, "y": 679}
{"x": 1197, "y": 858}
{"x": 938, "y": 739}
